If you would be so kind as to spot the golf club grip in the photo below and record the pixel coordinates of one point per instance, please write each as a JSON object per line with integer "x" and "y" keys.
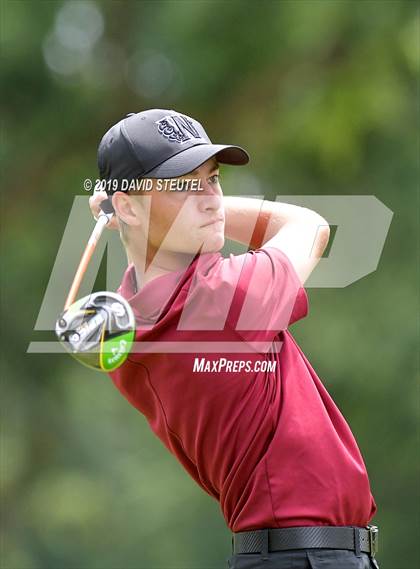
{"x": 106, "y": 206}
{"x": 84, "y": 261}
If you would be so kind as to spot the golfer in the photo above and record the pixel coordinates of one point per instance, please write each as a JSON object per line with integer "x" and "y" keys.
{"x": 219, "y": 377}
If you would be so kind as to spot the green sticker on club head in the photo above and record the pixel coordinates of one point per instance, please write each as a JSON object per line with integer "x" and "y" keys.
{"x": 114, "y": 351}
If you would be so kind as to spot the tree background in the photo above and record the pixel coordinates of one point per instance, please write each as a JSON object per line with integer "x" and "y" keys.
{"x": 324, "y": 95}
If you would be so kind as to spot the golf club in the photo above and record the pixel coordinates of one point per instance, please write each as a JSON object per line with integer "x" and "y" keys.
{"x": 98, "y": 330}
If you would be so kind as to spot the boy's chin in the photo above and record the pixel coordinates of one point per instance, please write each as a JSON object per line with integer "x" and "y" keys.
{"x": 213, "y": 245}
{"x": 210, "y": 246}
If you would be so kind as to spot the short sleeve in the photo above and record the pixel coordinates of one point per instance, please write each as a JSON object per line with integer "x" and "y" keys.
{"x": 258, "y": 293}
{"x": 274, "y": 297}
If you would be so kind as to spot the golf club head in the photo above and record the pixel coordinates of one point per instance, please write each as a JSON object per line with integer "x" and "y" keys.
{"x": 98, "y": 330}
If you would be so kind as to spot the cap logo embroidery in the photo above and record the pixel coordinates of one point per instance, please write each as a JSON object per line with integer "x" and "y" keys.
{"x": 177, "y": 128}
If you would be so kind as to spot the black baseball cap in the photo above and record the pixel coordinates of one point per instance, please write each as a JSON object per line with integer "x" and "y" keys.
{"x": 160, "y": 143}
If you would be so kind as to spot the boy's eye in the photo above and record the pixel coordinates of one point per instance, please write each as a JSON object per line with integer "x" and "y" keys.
{"x": 215, "y": 178}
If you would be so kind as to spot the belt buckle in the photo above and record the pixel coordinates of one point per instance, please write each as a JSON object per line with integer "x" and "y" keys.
{"x": 373, "y": 539}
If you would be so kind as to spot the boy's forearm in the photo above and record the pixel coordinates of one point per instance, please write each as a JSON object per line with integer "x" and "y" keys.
{"x": 266, "y": 217}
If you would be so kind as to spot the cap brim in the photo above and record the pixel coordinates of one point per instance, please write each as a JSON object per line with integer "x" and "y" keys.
{"x": 188, "y": 160}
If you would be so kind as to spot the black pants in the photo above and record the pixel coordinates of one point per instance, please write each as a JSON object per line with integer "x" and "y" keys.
{"x": 304, "y": 559}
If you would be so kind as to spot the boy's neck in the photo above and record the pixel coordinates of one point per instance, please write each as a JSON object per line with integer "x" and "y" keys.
{"x": 153, "y": 266}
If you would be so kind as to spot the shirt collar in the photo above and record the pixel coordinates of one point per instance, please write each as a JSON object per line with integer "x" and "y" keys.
{"x": 151, "y": 299}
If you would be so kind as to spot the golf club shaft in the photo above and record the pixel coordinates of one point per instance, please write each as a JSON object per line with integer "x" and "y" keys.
{"x": 103, "y": 220}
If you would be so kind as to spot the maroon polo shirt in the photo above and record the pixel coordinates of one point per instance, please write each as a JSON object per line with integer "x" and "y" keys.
{"x": 229, "y": 392}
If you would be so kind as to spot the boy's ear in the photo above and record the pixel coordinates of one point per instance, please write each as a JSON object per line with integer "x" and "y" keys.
{"x": 125, "y": 208}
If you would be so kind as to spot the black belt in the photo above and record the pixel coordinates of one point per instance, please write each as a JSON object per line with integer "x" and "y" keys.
{"x": 358, "y": 539}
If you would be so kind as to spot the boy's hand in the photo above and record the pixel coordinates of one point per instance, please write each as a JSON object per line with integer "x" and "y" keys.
{"x": 94, "y": 203}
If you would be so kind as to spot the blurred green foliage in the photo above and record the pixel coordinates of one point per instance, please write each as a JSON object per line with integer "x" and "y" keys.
{"x": 324, "y": 95}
